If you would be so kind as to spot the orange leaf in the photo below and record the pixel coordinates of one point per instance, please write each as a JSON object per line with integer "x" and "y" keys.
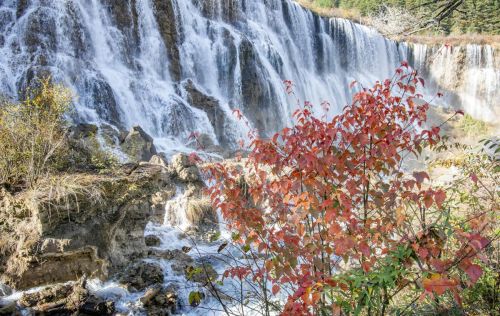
{"x": 276, "y": 289}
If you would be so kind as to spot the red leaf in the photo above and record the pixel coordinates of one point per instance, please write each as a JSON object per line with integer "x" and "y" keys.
{"x": 420, "y": 176}
{"x": 276, "y": 289}
{"x": 364, "y": 248}
{"x": 423, "y": 253}
{"x": 439, "y": 197}
{"x": 428, "y": 200}
{"x": 474, "y": 178}
{"x": 474, "y": 272}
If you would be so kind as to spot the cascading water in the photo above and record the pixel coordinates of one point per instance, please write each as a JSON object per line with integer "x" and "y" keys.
{"x": 468, "y": 75}
{"x": 137, "y": 62}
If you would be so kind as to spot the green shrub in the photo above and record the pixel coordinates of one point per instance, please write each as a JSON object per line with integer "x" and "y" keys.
{"x": 35, "y": 139}
{"x": 33, "y": 134}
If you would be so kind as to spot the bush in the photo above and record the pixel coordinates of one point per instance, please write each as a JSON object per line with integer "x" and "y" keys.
{"x": 333, "y": 222}
{"x": 36, "y": 140}
{"x": 33, "y": 134}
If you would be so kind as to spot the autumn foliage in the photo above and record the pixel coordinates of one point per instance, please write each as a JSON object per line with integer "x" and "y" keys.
{"x": 339, "y": 226}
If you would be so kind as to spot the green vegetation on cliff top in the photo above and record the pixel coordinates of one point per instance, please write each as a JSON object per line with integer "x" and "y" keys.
{"x": 467, "y": 16}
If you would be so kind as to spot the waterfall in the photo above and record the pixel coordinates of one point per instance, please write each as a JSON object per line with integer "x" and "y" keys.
{"x": 178, "y": 66}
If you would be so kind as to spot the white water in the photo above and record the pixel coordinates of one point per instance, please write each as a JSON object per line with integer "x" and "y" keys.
{"x": 121, "y": 73}
{"x": 172, "y": 233}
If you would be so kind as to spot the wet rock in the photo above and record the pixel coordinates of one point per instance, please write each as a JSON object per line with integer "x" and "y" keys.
{"x": 5, "y": 290}
{"x": 228, "y": 11}
{"x": 152, "y": 241}
{"x": 209, "y": 105}
{"x": 160, "y": 300}
{"x": 5, "y": 19}
{"x": 138, "y": 145}
{"x": 181, "y": 261}
{"x": 22, "y": 5}
{"x": 40, "y": 34}
{"x": 190, "y": 174}
{"x": 141, "y": 275}
{"x": 52, "y": 294}
{"x": 259, "y": 99}
{"x": 101, "y": 98}
{"x": 125, "y": 15}
{"x": 96, "y": 306}
{"x": 202, "y": 273}
{"x": 9, "y": 308}
{"x": 166, "y": 19}
{"x": 112, "y": 135}
{"x": 65, "y": 299}
{"x": 84, "y": 130}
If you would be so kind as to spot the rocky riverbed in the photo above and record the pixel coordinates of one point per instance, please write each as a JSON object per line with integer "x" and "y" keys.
{"x": 134, "y": 240}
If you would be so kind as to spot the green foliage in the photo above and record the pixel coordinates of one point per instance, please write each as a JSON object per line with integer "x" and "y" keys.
{"x": 32, "y": 134}
{"x": 472, "y": 16}
{"x": 195, "y": 298}
{"x": 473, "y": 127}
{"x": 35, "y": 140}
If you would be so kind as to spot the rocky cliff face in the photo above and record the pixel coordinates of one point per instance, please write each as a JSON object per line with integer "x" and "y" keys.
{"x": 93, "y": 231}
{"x": 92, "y": 225}
{"x": 174, "y": 67}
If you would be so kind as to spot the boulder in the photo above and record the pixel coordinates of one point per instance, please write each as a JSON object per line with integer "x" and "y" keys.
{"x": 5, "y": 290}
{"x": 9, "y": 308}
{"x": 158, "y": 160}
{"x": 185, "y": 169}
{"x": 84, "y": 130}
{"x": 138, "y": 145}
{"x": 96, "y": 306}
{"x": 160, "y": 300}
{"x": 152, "y": 241}
{"x": 142, "y": 274}
{"x": 202, "y": 273}
{"x": 66, "y": 299}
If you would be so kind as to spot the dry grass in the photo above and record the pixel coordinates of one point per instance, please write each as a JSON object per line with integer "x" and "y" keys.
{"x": 454, "y": 40}
{"x": 63, "y": 192}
